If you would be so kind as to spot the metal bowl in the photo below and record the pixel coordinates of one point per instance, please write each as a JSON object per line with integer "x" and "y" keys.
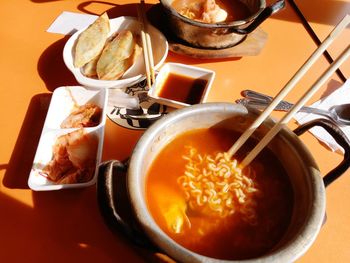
{"x": 218, "y": 35}
{"x": 304, "y": 174}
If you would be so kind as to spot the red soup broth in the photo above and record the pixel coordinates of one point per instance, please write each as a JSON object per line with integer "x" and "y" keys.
{"x": 229, "y": 237}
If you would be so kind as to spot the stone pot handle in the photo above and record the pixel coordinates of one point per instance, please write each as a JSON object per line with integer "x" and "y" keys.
{"x": 266, "y": 13}
{"x": 340, "y": 137}
{"x": 115, "y": 208}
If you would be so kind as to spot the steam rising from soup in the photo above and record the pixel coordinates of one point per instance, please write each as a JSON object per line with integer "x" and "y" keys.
{"x": 229, "y": 214}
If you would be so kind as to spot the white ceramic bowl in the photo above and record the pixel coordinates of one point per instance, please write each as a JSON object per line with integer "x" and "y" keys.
{"x": 62, "y": 103}
{"x": 159, "y": 46}
{"x": 191, "y": 72}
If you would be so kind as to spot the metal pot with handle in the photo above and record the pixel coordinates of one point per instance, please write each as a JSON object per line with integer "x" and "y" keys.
{"x": 223, "y": 34}
{"x": 304, "y": 174}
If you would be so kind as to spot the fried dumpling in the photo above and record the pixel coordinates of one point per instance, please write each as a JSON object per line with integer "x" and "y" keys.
{"x": 91, "y": 41}
{"x": 114, "y": 60}
{"x": 135, "y": 54}
{"x": 89, "y": 69}
{"x": 120, "y": 67}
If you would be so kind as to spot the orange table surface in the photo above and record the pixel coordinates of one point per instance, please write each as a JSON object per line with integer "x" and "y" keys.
{"x": 321, "y": 17}
{"x": 66, "y": 226}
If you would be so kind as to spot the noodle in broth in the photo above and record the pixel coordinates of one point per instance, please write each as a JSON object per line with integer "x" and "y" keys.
{"x": 216, "y": 186}
{"x": 218, "y": 211}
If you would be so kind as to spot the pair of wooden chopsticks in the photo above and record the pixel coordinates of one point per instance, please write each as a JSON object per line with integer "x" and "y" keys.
{"x": 146, "y": 44}
{"x": 292, "y": 82}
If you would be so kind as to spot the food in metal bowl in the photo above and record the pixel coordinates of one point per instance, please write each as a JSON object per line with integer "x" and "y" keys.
{"x": 216, "y": 24}
{"x": 212, "y": 11}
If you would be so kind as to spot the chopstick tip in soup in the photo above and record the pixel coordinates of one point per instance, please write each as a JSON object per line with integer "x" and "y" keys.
{"x": 212, "y": 207}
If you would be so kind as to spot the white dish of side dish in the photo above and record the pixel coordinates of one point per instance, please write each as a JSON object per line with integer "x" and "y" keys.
{"x": 90, "y": 140}
{"x": 160, "y": 52}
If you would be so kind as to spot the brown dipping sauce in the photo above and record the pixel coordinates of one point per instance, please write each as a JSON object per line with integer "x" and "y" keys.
{"x": 182, "y": 88}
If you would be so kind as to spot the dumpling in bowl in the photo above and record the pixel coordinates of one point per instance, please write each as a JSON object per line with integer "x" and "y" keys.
{"x": 117, "y": 56}
{"x": 91, "y": 41}
{"x": 89, "y": 69}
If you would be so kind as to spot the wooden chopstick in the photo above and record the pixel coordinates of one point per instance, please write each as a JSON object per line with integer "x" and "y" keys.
{"x": 301, "y": 102}
{"x": 150, "y": 56}
{"x": 146, "y": 44}
{"x": 289, "y": 86}
{"x": 146, "y": 59}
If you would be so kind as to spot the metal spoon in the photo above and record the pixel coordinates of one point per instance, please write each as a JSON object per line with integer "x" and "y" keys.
{"x": 340, "y": 114}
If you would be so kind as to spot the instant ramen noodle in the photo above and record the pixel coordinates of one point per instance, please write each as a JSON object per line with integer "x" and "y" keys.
{"x": 202, "y": 199}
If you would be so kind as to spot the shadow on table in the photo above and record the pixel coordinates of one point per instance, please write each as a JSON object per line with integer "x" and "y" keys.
{"x": 58, "y": 226}
{"x": 72, "y": 218}
{"x": 20, "y": 164}
{"x": 113, "y": 10}
{"x": 52, "y": 69}
{"x": 322, "y": 11}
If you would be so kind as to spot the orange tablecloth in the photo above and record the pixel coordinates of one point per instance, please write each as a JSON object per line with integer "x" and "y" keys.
{"x": 328, "y": 13}
{"x": 66, "y": 226}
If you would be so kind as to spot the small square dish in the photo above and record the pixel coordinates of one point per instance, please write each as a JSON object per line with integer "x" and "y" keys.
{"x": 69, "y": 157}
{"x": 179, "y": 85}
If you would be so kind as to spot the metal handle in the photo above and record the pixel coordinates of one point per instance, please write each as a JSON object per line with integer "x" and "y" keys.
{"x": 286, "y": 106}
{"x": 261, "y": 105}
{"x": 267, "y": 12}
{"x": 251, "y": 94}
{"x": 340, "y": 137}
{"x": 260, "y": 101}
{"x": 115, "y": 206}
{"x": 111, "y": 188}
